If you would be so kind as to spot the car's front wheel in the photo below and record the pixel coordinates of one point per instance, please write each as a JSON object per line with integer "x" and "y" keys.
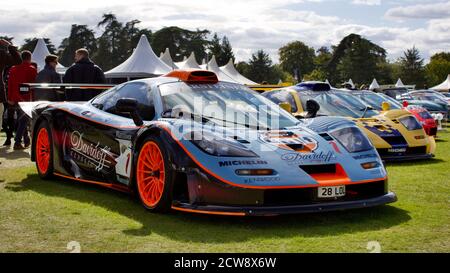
{"x": 154, "y": 178}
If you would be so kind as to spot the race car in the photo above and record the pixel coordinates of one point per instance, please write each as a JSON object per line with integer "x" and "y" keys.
{"x": 187, "y": 142}
{"x": 377, "y": 101}
{"x": 396, "y": 134}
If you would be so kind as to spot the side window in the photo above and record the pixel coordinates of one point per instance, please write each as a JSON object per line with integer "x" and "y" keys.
{"x": 282, "y": 96}
{"x": 134, "y": 90}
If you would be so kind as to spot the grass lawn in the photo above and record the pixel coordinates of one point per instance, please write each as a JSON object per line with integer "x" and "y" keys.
{"x": 44, "y": 216}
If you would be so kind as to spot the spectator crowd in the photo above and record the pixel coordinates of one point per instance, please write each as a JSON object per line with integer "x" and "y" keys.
{"x": 17, "y": 68}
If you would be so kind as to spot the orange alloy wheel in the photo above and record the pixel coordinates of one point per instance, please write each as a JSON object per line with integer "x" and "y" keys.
{"x": 43, "y": 151}
{"x": 150, "y": 174}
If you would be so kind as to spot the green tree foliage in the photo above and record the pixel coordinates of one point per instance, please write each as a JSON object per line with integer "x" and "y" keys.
{"x": 297, "y": 58}
{"x": 7, "y": 38}
{"x": 316, "y": 75}
{"x": 80, "y": 37}
{"x": 438, "y": 69}
{"x": 260, "y": 69}
{"x": 357, "y": 58}
{"x": 181, "y": 42}
{"x": 30, "y": 44}
{"x": 110, "y": 53}
{"x": 222, "y": 49}
{"x": 411, "y": 68}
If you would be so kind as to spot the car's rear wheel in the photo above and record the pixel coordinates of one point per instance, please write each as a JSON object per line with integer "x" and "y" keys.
{"x": 44, "y": 151}
{"x": 154, "y": 178}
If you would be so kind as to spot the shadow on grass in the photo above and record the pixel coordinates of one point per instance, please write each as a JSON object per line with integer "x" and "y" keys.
{"x": 8, "y": 153}
{"x": 216, "y": 229}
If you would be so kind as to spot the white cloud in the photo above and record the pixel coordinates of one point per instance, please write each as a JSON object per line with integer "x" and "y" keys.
{"x": 422, "y": 11}
{"x": 250, "y": 25}
{"x": 367, "y": 2}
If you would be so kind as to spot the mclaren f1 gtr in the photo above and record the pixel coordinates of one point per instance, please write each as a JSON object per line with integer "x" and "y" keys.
{"x": 396, "y": 134}
{"x": 187, "y": 142}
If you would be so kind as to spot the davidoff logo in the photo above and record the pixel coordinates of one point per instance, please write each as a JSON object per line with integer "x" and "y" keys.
{"x": 93, "y": 154}
{"x": 300, "y": 158}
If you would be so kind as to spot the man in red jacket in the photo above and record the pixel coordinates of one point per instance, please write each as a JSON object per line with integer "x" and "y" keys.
{"x": 22, "y": 73}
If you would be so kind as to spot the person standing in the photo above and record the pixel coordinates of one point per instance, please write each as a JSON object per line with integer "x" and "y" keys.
{"x": 83, "y": 71}
{"x": 8, "y": 56}
{"x": 22, "y": 73}
{"x": 47, "y": 75}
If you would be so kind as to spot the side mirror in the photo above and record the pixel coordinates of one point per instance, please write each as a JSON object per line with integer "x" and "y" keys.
{"x": 286, "y": 106}
{"x": 130, "y": 106}
{"x": 312, "y": 107}
{"x": 385, "y": 106}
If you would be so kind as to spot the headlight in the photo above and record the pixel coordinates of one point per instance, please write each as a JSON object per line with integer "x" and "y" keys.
{"x": 352, "y": 139}
{"x": 410, "y": 123}
{"x": 218, "y": 146}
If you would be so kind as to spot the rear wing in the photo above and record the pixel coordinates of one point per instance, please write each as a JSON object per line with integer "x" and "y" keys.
{"x": 264, "y": 87}
{"x": 26, "y": 87}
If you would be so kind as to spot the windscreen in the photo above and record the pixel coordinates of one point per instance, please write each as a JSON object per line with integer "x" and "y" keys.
{"x": 227, "y": 104}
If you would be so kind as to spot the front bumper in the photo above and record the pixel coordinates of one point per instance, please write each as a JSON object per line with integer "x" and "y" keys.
{"x": 279, "y": 210}
{"x": 400, "y": 158}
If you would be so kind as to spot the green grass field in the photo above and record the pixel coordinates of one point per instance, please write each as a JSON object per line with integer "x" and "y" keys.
{"x": 44, "y": 216}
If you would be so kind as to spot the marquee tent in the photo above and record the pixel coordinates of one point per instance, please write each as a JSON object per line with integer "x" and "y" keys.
{"x": 212, "y": 66}
{"x": 399, "y": 83}
{"x": 166, "y": 58}
{"x": 231, "y": 71}
{"x": 374, "y": 85}
{"x": 189, "y": 63}
{"x": 142, "y": 63}
{"x": 445, "y": 86}
{"x": 39, "y": 54}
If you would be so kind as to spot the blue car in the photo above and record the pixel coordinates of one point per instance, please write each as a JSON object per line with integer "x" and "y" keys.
{"x": 187, "y": 142}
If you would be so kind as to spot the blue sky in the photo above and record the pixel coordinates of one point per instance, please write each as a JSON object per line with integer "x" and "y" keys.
{"x": 250, "y": 25}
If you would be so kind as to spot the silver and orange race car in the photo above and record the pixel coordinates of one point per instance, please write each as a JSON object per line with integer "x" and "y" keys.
{"x": 187, "y": 142}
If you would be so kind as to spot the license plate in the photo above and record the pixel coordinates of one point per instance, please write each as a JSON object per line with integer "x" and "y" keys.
{"x": 400, "y": 150}
{"x": 331, "y": 192}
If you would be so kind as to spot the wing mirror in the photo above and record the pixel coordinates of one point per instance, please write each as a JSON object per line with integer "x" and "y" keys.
{"x": 286, "y": 106}
{"x": 130, "y": 106}
{"x": 312, "y": 107}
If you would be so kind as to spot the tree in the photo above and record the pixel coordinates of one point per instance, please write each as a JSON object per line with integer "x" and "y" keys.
{"x": 357, "y": 58}
{"x": 181, "y": 42}
{"x": 80, "y": 37}
{"x": 260, "y": 68}
{"x": 438, "y": 69}
{"x": 110, "y": 53}
{"x": 297, "y": 59}
{"x": 316, "y": 75}
{"x": 7, "y": 38}
{"x": 30, "y": 44}
{"x": 222, "y": 49}
{"x": 411, "y": 68}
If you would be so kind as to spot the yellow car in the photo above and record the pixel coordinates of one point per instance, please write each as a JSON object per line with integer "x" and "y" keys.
{"x": 396, "y": 134}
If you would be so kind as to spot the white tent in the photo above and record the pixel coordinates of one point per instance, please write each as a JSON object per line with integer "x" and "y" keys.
{"x": 142, "y": 63}
{"x": 189, "y": 63}
{"x": 214, "y": 67}
{"x": 166, "y": 58}
{"x": 445, "y": 86}
{"x": 39, "y": 54}
{"x": 231, "y": 71}
{"x": 399, "y": 83}
{"x": 374, "y": 85}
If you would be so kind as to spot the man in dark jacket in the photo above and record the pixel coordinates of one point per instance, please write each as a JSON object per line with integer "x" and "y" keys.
{"x": 47, "y": 75}
{"x": 83, "y": 71}
{"x": 9, "y": 56}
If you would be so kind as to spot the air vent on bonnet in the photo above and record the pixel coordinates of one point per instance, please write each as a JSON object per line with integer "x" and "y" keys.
{"x": 326, "y": 136}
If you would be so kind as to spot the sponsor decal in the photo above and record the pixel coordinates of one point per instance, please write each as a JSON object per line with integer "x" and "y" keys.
{"x": 290, "y": 141}
{"x": 397, "y": 150}
{"x": 90, "y": 153}
{"x": 262, "y": 179}
{"x": 241, "y": 162}
{"x": 298, "y": 158}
